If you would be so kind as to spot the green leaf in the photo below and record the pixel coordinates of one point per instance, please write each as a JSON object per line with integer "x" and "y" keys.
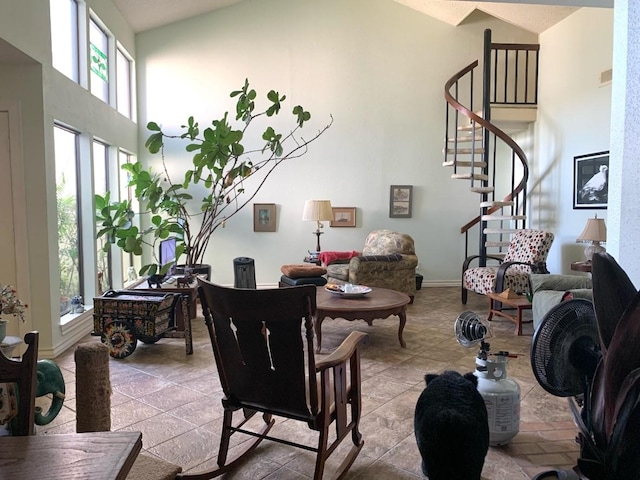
{"x": 153, "y": 126}
{"x": 154, "y": 143}
{"x": 303, "y": 116}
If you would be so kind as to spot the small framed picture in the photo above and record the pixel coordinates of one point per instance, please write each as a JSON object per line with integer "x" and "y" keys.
{"x": 400, "y": 201}
{"x": 591, "y": 180}
{"x": 343, "y": 217}
{"x": 264, "y": 217}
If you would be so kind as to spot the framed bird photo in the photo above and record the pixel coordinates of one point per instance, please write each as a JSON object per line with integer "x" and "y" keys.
{"x": 591, "y": 180}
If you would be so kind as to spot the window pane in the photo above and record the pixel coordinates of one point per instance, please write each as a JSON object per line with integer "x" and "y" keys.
{"x": 64, "y": 37}
{"x": 101, "y": 186}
{"x": 99, "y": 61}
{"x": 123, "y": 84}
{"x": 130, "y": 263}
{"x": 66, "y": 160}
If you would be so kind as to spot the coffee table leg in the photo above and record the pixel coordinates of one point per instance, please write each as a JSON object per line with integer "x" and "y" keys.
{"x": 403, "y": 322}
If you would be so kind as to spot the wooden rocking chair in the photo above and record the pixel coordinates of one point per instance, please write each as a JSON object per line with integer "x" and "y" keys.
{"x": 263, "y": 346}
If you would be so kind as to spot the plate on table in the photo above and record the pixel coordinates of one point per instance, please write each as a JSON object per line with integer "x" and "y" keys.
{"x": 356, "y": 290}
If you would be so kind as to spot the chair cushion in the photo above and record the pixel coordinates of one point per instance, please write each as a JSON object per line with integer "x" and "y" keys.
{"x": 483, "y": 280}
{"x": 300, "y": 271}
{"x": 284, "y": 280}
{"x": 339, "y": 271}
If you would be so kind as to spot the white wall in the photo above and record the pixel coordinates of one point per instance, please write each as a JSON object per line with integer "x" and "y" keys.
{"x": 377, "y": 67}
{"x": 43, "y": 96}
{"x": 573, "y": 119}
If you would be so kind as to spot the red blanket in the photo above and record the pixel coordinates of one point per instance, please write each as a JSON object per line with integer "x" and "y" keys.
{"x": 327, "y": 257}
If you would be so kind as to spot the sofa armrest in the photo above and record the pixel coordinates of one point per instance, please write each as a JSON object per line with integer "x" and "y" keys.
{"x": 399, "y": 274}
{"x": 562, "y": 283}
{"x": 398, "y": 261}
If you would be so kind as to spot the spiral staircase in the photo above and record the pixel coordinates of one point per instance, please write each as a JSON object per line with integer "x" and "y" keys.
{"x": 479, "y": 147}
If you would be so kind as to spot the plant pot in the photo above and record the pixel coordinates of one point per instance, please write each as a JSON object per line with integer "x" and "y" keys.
{"x": 198, "y": 269}
{"x": 3, "y": 329}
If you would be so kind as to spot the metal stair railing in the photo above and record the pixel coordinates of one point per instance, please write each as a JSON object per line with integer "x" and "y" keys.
{"x": 509, "y": 78}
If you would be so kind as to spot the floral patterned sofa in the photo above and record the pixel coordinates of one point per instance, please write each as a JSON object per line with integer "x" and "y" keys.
{"x": 388, "y": 260}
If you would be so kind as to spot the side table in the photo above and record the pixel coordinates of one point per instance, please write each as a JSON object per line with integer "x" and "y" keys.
{"x": 8, "y": 344}
{"x": 519, "y": 303}
{"x": 581, "y": 266}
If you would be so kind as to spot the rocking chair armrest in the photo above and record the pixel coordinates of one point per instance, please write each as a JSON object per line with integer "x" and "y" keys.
{"x": 343, "y": 353}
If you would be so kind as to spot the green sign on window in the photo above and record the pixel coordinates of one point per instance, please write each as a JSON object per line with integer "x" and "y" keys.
{"x": 99, "y": 63}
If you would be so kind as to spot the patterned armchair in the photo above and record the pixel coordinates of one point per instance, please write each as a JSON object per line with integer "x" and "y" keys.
{"x": 527, "y": 253}
{"x": 388, "y": 260}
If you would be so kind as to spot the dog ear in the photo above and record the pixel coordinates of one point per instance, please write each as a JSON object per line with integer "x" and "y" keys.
{"x": 472, "y": 378}
{"x": 429, "y": 376}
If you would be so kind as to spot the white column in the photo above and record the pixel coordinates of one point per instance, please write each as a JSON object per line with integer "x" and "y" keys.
{"x": 623, "y": 216}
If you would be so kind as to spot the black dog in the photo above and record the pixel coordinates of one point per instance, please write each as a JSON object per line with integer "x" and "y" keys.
{"x": 451, "y": 427}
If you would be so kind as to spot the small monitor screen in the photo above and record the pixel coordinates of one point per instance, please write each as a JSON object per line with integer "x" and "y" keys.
{"x": 168, "y": 252}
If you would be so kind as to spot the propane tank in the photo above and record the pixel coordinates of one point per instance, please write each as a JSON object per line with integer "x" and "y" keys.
{"x": 501, "y": 396}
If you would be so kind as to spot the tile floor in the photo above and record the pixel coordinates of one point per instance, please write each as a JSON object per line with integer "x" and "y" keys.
{"x": 174, "y": 399}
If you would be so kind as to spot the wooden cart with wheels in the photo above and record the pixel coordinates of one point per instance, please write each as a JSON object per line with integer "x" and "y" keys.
{"x": 121, "y": 318}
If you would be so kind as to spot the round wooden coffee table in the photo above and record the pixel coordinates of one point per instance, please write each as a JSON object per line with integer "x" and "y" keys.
{"x": 379, "y": 303}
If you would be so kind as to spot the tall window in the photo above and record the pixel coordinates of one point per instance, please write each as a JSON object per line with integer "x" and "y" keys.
{"x": 99, "y": 61}
{"x": 67, "y": 196}
{"x": 124, "y": 84}
{"x": 64, "y": 37}
{"x": 101, "y": 186}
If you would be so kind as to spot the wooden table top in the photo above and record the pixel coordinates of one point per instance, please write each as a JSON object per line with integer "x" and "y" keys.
{"x": 377, "y": 299}
{"x": 90, "y": 456}
{"x": 519, "y": 301}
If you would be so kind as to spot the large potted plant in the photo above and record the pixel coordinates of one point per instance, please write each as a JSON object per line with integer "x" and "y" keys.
{"x": 218, "y": 172}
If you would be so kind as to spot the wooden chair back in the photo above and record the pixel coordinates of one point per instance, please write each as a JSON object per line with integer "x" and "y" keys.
{"x": 23, "y": 374}
{"x": 259, "y": 339}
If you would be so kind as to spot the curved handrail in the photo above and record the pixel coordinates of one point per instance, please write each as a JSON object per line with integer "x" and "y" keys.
{"x": 496, "y": 131}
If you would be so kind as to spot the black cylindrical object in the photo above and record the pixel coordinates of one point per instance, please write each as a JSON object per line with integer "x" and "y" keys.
{"x": 244, "y": 272}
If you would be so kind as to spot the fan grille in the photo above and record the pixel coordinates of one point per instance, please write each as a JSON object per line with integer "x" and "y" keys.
{"x": 469, "y": 329}
{"x": 564, "y": 346}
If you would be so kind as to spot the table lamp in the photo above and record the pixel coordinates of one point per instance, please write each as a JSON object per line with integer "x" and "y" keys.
{"x": 318, "y": 211}
{"x": 595, "y": 231}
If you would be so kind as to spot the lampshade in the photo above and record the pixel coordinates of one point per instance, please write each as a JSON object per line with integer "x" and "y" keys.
{"x": 595, "y": 231}
{"x": 317, "y": 210}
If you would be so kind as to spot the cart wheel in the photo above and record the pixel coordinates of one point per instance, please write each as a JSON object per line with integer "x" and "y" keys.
{"x": 120, "y": 338}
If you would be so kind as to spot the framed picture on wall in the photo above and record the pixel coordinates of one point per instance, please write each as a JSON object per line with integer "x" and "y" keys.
{"x": 400, "y": 200}
{"x": 264, "y": 217}
{"x": 591, "y": 180}
{"x": 343, "y": 217}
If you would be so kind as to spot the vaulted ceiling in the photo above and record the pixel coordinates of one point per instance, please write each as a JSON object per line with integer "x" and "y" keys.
{"x": 533, "y": 15}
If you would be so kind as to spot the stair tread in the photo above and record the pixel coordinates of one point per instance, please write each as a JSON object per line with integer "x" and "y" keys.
{"x": 468, "y": 127}
{"x": 497, "y": 244}
{"x": 469, "y": 176}
{"x": 496, "y": 254}
{"x": 490, "y": 231}
{"x": 482, "y": 189}
{"x": 463, "y": 163}
{"x": 465, "y": 139}
{"x": 465, "y": 151}
{"x": 503, "y": 217}
{"x": 496, "y": 203}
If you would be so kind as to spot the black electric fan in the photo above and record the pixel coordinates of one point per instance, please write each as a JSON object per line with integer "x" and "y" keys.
{"x": 565, "y": 352}
{"x": 565, "y": 349}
